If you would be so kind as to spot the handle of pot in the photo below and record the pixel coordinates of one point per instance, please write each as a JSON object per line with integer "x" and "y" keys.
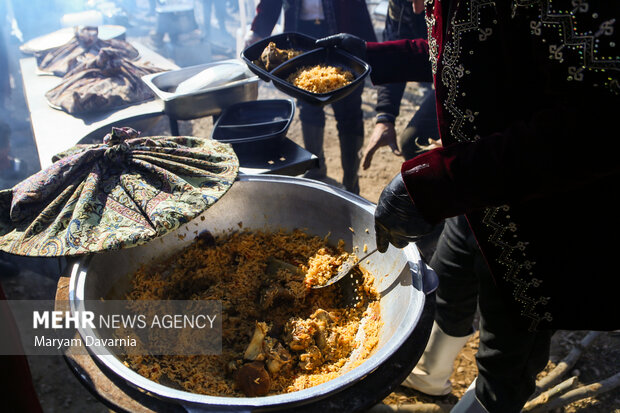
{"x": 424, "y": 277}
{"x": 430, "y": 280}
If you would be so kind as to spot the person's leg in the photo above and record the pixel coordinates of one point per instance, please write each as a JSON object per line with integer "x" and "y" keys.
{"x": 312, "y": 116}
{"x": 5, "y": 147}
{"x": 222, "y": 15}
{"x": 454, "y": 261}
{"x": 456, "y": 295}
{"x": 421, "y": 127}
{"x": 350, "y": 124}
{"x": 509, "y": 358}
{"x": 312, "y": 129}
{"x": 206, "y": 18}
{"x": 11, "y": 168}
{"x": 5, "y": 76}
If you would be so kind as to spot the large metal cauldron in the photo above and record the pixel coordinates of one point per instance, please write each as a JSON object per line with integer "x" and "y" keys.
{"x": 274, "y": 202}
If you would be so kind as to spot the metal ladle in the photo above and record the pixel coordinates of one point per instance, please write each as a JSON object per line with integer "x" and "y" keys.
{"x": 345, "y": 268}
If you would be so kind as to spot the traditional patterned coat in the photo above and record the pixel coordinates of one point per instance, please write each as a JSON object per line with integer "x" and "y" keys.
{"x": 528, "y": 108}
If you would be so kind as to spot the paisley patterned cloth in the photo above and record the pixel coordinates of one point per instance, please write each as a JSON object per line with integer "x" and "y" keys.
{"x": 119, "y": 194}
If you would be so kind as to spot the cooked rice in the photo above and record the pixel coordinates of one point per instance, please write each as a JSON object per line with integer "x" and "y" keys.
{"x": 320, "y": 78}
{"x": 234, "y": 271}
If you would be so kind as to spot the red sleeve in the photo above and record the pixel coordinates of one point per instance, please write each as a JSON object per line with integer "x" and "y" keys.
{"x": 399, "y": 61}
{"x": 267, "y": 15}
{"x": 557, "y": 150}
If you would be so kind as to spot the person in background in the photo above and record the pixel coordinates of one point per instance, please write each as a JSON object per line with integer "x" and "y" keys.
{"x": 421, "y": 132}
{"x": 129, "y": 6}
{"x": 5, "y": 77}
{"x": 402, "y": 23}
{"x": 431, "y": 374}
{"x": 15, "y": 378}
{"x": 233, "y": 5}
{"x": 221, "y": 14}
{"x": 11, "y": 168}
{"x": 319, "y": 18}
{"x": 519, "y": 86}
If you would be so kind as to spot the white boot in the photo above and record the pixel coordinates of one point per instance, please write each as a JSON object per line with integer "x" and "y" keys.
{"x": 432, "y": 373}
{"x": 469, "y": 403}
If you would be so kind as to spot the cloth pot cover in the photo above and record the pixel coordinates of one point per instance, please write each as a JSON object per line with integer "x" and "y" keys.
{"x": 122, "y": 193}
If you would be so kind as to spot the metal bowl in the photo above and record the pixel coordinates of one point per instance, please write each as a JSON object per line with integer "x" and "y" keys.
{"x": 206, "y": 102}
{"x": 274, "y": 202}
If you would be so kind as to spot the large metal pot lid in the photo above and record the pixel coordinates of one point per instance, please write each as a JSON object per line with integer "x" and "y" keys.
{"x": 65, "y": 35}
{"x": 122, "y": 193}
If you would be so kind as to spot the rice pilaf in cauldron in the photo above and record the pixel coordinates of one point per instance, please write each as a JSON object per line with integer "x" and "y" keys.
{"x": 279, "y": 334}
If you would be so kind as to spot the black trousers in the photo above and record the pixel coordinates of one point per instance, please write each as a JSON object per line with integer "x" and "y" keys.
{"x": 509, "y": 358}
{"x": 349, "y": 118}
{"x": 347, "y": 111}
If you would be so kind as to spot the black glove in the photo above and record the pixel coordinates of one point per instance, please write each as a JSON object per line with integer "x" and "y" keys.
{"x": 347, "y": 42}
{"x": 397, "y": 220}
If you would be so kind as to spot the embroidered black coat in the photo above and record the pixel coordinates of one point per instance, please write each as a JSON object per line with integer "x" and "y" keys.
{"x": 528, "y": 109}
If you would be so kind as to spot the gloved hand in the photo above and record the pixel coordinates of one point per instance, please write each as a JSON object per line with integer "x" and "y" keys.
{"x": 397, "y": 220}
{"x": 346, "y": 42}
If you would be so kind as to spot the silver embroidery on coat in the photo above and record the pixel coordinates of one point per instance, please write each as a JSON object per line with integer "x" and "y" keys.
{"x": 584, "y": 45}
{"x": 452, "y": 67}
{"x": 519, "y": 270}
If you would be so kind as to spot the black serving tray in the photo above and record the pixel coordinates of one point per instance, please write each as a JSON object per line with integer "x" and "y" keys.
{"x": 256, "y": 127}
{"x": 288, "y": 40}
{"x": 326, "y": 56}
